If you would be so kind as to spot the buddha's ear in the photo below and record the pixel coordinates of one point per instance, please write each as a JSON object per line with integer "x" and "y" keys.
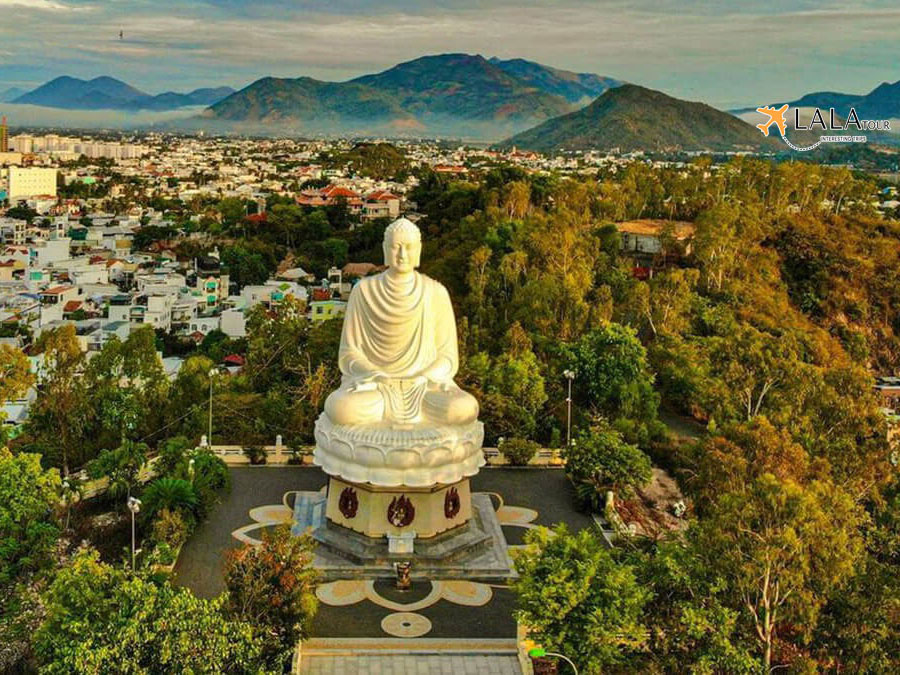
{"x": 417, "y": 255}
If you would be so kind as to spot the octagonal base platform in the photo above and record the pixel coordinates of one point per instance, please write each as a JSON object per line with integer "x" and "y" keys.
{"x": 476, "y": 550}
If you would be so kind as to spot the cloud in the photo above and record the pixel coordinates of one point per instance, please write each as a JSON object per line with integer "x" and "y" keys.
{"x": 42, "y": 5}
{"x": 724, "y": 54}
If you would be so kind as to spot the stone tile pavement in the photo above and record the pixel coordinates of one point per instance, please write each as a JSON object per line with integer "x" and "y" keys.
{"x": 397, "y": 656}
{"x": 411, "y": 664}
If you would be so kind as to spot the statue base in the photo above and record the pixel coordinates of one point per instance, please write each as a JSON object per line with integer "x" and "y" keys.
{"x": 377, "y": 511}
{"x": 475, "y": 550}
{"x": 382, "y": 455}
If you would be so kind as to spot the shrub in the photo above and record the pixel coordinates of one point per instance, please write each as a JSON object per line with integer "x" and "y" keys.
{"x": 170, "y": 528}
{"x": 173, "y": 494}
{"x": 297, "y": 453}
{"x": 210, "y": 475}
{"x": 255, "y": 454}
{"x": 163, "y": 554}
{"x": 601, "y": 457}
{"x": 519, "y": 451}
{"x": 273, "y": 587}
{"x": 172, "y": 457}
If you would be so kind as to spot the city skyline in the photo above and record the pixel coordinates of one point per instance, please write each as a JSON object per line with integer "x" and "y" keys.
{"x": 761, "y": 52}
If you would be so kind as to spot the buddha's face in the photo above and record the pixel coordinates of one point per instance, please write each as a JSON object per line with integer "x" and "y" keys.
{"x": 402, "y": 251}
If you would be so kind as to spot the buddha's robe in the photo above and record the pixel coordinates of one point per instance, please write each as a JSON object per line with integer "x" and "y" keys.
{"x": 402, "y": 330}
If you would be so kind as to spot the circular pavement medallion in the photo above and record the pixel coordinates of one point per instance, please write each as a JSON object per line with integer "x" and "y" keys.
{"x": 405, "y": 625}
{"x": 466, "y": 593}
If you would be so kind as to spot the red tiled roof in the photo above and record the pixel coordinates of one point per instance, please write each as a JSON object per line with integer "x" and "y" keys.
{"x": 335, "y": 191}
{"x": 72, "y": 305}
{"x": 321, "y": 294}
{"x": 234, "y": 360}
{"x": 57, "y": 290}
{"x": 382, "y": 196}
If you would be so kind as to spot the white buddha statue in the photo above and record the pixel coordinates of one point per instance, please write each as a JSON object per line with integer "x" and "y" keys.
{"x": 398, "y": 352}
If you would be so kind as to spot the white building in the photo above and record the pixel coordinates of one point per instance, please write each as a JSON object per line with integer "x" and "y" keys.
{"x": 25, "y": 182}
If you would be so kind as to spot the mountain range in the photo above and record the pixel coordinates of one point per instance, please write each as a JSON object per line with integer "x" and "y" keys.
{"x": 883, "y": 102}
{"x": 108, "y": 93}
{"x": 630, "y": 117}
{"x": 440, "y": 94}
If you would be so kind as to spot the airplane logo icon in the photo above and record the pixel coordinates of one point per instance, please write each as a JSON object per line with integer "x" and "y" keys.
{"x": 776, "y": 117}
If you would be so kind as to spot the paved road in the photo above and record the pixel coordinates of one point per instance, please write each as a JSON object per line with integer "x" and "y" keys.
{"x": 201, "y": 563}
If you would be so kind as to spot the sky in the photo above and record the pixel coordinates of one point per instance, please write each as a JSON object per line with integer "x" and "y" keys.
{"x": 727, "y": 54}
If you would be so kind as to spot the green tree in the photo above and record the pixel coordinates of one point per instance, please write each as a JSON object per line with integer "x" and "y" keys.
{"x": 600, "y": 459}
{"x": 122, "y": 466}
{"x": 272, "y": 587}
{"x": 58, "y": 417}
{"x": 15, "y": 373}
{"x": 782, "y": 548}
{"x": 99, "y": 619}
{"x": 15, "y": 378}
{"x": 29, "y": 497}
{"x": 613, "y": 378}
{"x": 575, "y": 598}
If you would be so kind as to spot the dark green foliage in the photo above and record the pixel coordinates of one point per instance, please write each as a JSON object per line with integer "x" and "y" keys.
{"x": 29, "y": 497}
{"x": 173, "y": 494}
{"x": 601, "y": 458}
{"x": 99, "y": 619}
{"x": 614, "y": 378}
{"x": 519, "y": 451}
{"x": 577, "y": 600}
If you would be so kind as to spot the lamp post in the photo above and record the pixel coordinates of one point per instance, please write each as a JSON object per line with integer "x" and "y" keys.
{"x": 134, "y": 505}
{"x": 212, "y": 373}
{"x": 539, "y": 653}
{"x": 570, "y": 375}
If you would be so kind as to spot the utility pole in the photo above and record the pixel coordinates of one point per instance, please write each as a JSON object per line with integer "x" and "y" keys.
{"x": 212, "y": 373}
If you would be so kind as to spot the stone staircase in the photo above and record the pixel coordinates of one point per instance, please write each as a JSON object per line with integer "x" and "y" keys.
{"x": 399, "y": 656}
{"x": 309, "y": 511}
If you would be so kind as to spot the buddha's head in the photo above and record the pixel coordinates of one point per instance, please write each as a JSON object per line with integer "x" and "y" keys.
{"x": 402, "y": 246}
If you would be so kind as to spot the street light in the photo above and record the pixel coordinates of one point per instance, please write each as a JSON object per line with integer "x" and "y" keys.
{"x": 212, "y": 373}
{"x": 570, "y": 375}
{"x": 134, "y": 505}
{"x": 538, "y": 652}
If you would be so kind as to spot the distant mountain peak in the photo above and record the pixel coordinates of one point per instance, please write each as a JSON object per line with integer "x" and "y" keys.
{"x": 631, "y": 117}
{"x": 449, "y": 94}
{"x": 105, "y": 92}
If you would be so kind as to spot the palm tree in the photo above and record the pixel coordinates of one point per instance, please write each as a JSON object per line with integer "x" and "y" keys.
{"x": 174, "y": 494}
{"x": 122, "y": 466}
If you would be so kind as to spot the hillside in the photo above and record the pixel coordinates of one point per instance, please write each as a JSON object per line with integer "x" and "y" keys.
{"x": 574, "y": 87}
{"x": 108, "y": 93}
{"x": 631, "y": 117}
{"x": 463, "y": 86}
{"x": 443, "y": 94}
{"x": 272, "y": 99}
